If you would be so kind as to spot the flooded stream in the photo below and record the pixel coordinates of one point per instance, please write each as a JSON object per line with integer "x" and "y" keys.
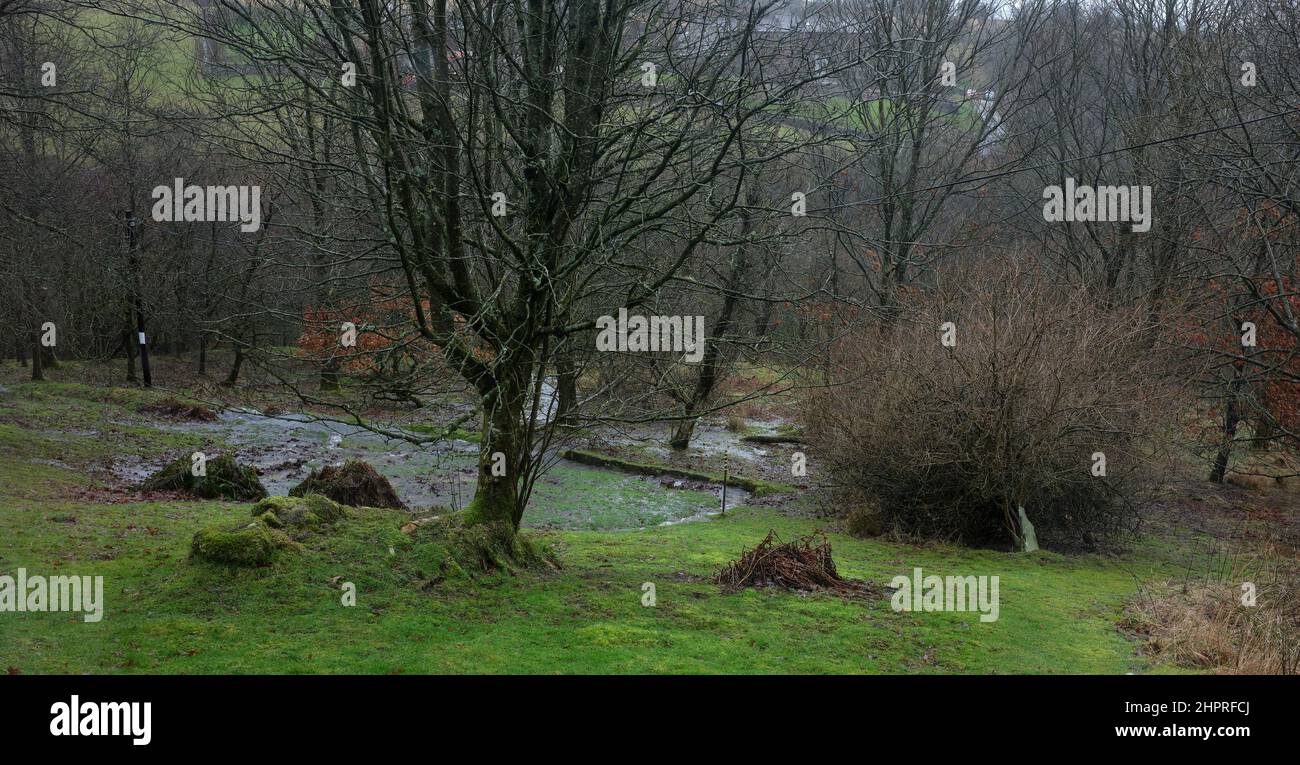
{"x": 285, "y": 448}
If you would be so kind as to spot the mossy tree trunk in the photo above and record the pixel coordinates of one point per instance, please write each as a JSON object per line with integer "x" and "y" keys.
{"x": 682, "y": 432}
{"x": 504, "y": 450}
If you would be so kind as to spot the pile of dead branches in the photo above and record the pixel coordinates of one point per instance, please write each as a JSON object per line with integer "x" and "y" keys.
{"x": 804, "y": 564}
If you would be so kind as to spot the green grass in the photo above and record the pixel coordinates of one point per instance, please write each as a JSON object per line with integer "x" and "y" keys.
{"x": 165, "y": 613}
{"x": 75, "y": 422}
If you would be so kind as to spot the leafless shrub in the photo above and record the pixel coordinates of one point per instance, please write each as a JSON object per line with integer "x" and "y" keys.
{"x": 950, "y": 441}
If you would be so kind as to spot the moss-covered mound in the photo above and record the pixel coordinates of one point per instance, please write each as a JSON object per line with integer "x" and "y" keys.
{"x": 278, "y": 524}
{"x": 307, "y": 513}
{"x": 224, "y": 477}
{"x": 452, "y": 550}
{"x": 355, "y": 483}
{"x": 254, "y": 543}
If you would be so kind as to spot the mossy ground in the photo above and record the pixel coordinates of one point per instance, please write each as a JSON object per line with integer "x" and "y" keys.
{"x": 306, "y": 512}
{"x": 166, "y": 613}
{"x": 249, "y": 543}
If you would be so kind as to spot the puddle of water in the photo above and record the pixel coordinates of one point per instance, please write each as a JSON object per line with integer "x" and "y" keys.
{"x": 131, "y": 471}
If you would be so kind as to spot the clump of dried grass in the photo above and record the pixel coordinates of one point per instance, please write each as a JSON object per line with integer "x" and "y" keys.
{"x": 1203, "y": 624}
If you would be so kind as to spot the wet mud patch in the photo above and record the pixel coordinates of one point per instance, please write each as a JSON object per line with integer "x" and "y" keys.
{"x": 762, "y": 450}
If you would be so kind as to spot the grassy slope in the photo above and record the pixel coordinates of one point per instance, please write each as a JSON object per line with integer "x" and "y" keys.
{"x": 166, "y": 614}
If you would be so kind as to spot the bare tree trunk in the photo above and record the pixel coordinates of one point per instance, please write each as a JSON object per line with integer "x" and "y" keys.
{"x": 142, "y": 338}
{"x": 566, "y": 384}
{"x": 233, "y": 377}
{"x": 1231, "y": 417}
{"x": 129, "y": 347}
{"x": 249, "y": 272}
{"x": 38, "y": 371}
{"x": 206, "y": 305}
{"x": 764, "y": 319}
{"x": 329, "y": 375}
{"x": 133, "y": 260}
{"x": 1264, "y": 429}
{"x": 711, "y": 365}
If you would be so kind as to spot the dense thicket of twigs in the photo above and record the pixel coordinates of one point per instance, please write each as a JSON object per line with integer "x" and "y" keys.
{"x": 1038, "y": 386}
